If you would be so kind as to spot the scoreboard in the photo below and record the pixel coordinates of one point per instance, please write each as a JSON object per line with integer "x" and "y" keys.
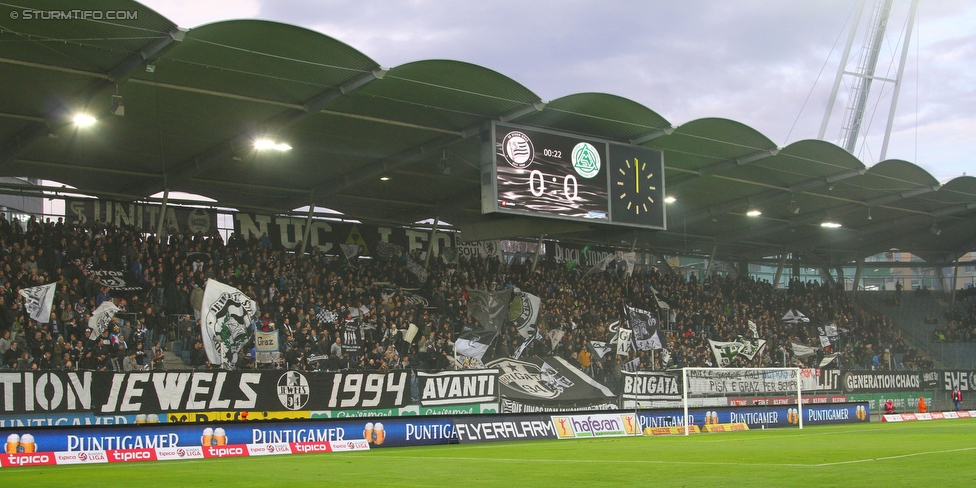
{"x": 543, "y": 173}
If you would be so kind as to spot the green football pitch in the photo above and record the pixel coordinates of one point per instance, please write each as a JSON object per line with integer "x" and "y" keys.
{"x": 917, "y": 454}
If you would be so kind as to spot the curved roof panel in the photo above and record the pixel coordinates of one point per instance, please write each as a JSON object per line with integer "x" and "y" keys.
{"x": 260, "y": 59}
{"x": 700, "y": 143}
{"x": 598, "y": 114}
{"x": 190, "y": 124}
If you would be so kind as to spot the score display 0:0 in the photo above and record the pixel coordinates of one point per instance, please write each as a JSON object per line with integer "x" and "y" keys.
{"x": 537, "y": 185}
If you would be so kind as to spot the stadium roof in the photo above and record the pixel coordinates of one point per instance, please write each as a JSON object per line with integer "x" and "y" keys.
{"x": 196, "y": 100}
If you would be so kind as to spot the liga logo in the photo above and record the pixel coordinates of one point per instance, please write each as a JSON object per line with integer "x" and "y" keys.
{"x": 518, "y": 149}
{"x": 293, "y": 391}
{"x": 793, "y": 416}
{"x": 586, "y": 160}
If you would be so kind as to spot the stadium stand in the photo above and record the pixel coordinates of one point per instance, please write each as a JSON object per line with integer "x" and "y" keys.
{"x": 308, "y": 296}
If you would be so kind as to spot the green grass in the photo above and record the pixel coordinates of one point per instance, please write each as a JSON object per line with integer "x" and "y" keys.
{"x": 912, "y": 454}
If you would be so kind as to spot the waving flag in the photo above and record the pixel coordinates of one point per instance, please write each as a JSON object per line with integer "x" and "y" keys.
{"x": 226, "y": 322}
{"x": 38, "y": 301}
{"x": 644, "y": 327}
{"x": 490, "y": 308}
{"x": 101, "y": 317}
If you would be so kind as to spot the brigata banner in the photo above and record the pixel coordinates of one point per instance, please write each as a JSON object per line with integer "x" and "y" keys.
{"x": 106, "y": 394}
{"x": 649, "y": 389}
{"x": 458, "y": 387}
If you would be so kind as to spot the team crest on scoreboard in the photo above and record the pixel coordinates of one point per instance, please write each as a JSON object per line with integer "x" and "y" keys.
{"x": 586, "y": 160}
{"x": 518, "y": 149}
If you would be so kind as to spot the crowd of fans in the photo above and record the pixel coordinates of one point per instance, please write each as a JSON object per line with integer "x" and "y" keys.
{"x": 960, "y": 322}
{"x": 307, "y": 298}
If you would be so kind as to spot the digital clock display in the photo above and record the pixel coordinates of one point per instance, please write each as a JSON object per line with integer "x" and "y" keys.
{"x": 537, "y": 172}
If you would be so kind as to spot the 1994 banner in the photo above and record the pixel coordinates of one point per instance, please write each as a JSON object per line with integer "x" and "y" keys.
{"x": 105, "y": 393}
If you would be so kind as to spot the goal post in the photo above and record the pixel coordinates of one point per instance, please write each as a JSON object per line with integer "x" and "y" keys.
{"x": 708, "y": 385}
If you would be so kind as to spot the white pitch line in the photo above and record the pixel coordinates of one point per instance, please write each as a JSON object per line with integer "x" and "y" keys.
{"x": 599, "y": 461}
{"x": 900, "y": 456}
{"x": 699, "y": 463}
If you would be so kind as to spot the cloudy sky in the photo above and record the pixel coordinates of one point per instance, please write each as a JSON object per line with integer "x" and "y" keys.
{"x": 767, "y": 63}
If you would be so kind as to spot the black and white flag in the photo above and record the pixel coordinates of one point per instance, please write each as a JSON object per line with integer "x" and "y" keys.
{"x": 450, "y": 255}
{"x": 549, "y": 381}
{"x": 598, "y": 349}
{"x": 665, "y": 358}
{"x": 351, "y": 251}
{"x": 801, "y": 351}
{"x": 630, "y": 259}
{"x": 827, "y": 330}
{"x": 624, "y": 344}
{"x": 751, "y": 347}
{"x": 644, "y": 327}
{"x": 101, "y": 317}
{"x": 525, "y": 345}
{"x": 38, "y": 301}
{"x": 417, "y": 270}
{"x": 795, "y": 317}
{"x": 327, "y": 316}
{"x": 117, "y": 281}
{"x": 632, "y": 365}
{"x": 600, "y": 265}
{"x": 555, "y": 336}
{"x": 753, "y": 328}
{"x": 661, "y": 304}
{"x": 526, "y": 322}
{"x": 475, "y": 343}
{"x": 227, "y": 314}
{"x": 724, "y": 352}
{"x": 490, "y": 308}
{"x": 352, "y": 338}
{"x": 387, "y": 250}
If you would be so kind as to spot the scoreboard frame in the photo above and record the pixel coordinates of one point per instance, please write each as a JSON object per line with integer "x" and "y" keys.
{"x": 536, "y": 172}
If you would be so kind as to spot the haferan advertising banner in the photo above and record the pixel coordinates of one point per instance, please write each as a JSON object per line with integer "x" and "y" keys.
{"x": 104, "y": 393}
